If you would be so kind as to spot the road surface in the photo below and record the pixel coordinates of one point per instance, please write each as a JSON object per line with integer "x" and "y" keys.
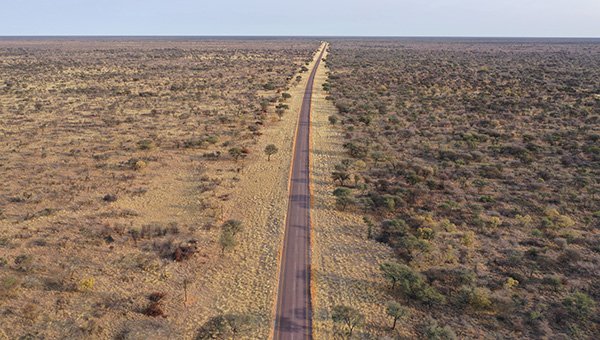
{"x": 293, "y": 314}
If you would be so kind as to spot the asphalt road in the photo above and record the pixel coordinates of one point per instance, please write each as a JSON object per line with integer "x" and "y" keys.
{"x": 293, "y": 315}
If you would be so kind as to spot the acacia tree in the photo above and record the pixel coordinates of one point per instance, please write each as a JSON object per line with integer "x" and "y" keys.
{"x": 227, "y": 241}
{"x": 378, "y": 156}
{"x": 411, "y": 283}
{"x": 228, "y": 231}
{"x": 227, "y": 326}
{"x": 392, "y": 271}
{"x": 271, "y": 149}
{"x": 239, "y": 323}
{"x": 232, "y": 226}
{"x": 341, "y": 176}
{"x": 280, "y": 113}
{"x": 347, "y": 316}
{"x": 343, "y": 197}
{"x": 236, "y": 153}
{"x": 396, "y": 311}
{"x": 135, "y": 235}
{"x": 370, "y": 226}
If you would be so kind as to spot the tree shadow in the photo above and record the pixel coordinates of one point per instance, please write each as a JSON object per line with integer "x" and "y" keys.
{"x": 302, "y": 201}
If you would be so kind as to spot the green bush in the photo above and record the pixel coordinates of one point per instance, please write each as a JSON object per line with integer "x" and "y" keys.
{"x": 145, "y": 144}
{"x": 228, "y": 326}
{"x": 413, "y": 244}
{"x": 343, "y": 197}
{"x": 395, "y": 227}
{"x": 411, "y": 283}
{"x": 9, "y": 286}
{"x": 269, "y": 86}
{"x": 579, "y": 305}
{"x": 473, "y": 297}
{"x": 432, "y": 331}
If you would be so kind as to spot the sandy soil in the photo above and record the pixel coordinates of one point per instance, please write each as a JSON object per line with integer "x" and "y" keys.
{"x": 345, "y": 263}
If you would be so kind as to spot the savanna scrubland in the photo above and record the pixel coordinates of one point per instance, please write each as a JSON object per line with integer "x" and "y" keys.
{"x": 133, "y": 203}
{"x": 465, "y": 175}
{"x": 455, "y": 187}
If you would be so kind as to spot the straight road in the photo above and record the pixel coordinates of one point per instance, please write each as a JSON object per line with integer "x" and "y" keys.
{"x": 293, "y": 315}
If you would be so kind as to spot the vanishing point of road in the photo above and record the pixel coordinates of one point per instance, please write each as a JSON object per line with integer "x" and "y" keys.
{"x": 294, "y": 311}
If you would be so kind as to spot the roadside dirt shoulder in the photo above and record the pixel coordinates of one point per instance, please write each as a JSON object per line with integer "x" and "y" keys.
{"x": 345, "y": 263}
{"x": 246, "y": 281}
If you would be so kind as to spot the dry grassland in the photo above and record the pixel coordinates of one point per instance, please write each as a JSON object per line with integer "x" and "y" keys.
{"x": 345, "y": 263}
{"x": 113, "y": 154}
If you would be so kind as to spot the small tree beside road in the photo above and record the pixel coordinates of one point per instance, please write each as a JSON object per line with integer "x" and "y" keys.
{"x": 228, "y": 231}
{"x": 347, "y": 316}
{"x": 343, "y": 197}
{"x": 271, "y": 149}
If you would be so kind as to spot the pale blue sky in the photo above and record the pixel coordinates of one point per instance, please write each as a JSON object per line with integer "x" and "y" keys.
{"x": 498, "y": 18}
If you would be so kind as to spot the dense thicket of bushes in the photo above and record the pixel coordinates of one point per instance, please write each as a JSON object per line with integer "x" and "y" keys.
{"x": 479, "y": 163}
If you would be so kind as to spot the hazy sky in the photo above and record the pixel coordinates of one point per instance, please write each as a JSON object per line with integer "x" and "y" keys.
{"x": 499, "y": 18}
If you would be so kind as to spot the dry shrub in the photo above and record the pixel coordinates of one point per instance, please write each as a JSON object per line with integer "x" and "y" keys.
{"x": 156, "y": 297}
{"x": 183, "y": 253}
{"x": 91, "y": 327}
{"x": 9, "y": 286}
{"x": 155, "y": 309}
{"x": 30, "y": 311}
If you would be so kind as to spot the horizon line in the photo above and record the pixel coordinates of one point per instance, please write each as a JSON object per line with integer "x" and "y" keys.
{"x": 296, "y": 36}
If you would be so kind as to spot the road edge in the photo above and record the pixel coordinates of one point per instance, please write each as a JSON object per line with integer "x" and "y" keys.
{"x": 285, "y": 234}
